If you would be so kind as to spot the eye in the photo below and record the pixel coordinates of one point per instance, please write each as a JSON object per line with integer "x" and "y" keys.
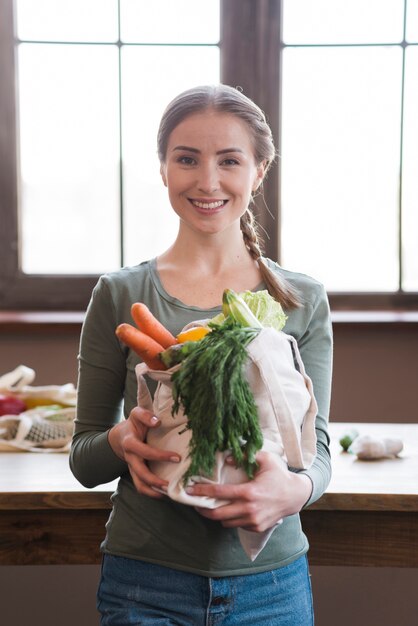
{"x": 230, "y": 161}
{"x": 186, "y": 160}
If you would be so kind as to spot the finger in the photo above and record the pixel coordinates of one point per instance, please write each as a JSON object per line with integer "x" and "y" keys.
{"x": 142, "y": 416}
{"x": 234, "y": 522}
{"x": 141, "y": 472}
{"x": 240, "y": 521}
{"x": 141, "y": 449}
{"x": 266, "y": 460}
{"x": 260, "y": 527}
{"x": 145, "y": 490}
{"x": 220, "y": 514}
{"x": 222, "y": 492}
{"x": 148, "y": 484}
{"x": 246, "y": 512}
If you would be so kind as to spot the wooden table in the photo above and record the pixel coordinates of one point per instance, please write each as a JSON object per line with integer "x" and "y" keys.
{"x": 368, "y": 515}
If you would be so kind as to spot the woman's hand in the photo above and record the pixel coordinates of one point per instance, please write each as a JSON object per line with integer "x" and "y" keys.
{"x": 127, "y": 440}
{"x": 258, "y": 504}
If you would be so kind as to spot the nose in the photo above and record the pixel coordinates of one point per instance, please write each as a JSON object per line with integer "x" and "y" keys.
{"x": 208, "y": 180}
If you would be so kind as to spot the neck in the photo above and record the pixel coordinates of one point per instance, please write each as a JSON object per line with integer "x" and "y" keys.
{"x": 213, "y": 254}
{"x": 196, "y": 270}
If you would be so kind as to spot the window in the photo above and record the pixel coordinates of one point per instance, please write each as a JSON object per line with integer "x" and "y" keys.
{"x": 89, "y": 108}
{"x": 80, "y": 76}
{"x": 93, "y": 78}
{"x": 350, "y": 133}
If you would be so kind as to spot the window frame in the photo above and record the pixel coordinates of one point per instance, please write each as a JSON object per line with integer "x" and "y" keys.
{"x": 252, "y": 62}
{"x": 19, "y": 291}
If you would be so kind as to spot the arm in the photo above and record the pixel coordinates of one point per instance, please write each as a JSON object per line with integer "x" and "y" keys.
{"x": 104, "y": 447}
{"x": 100, "y": 388}
{"x": 316, "y": 349}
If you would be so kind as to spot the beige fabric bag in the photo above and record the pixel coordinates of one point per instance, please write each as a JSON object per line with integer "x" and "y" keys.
{"x": 18, "y": 383}
{"x": 286, "y": 407}
{"x": 44, "y": 427}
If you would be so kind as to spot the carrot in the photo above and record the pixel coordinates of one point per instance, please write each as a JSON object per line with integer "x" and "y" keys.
{"x": 144, "y": 346}
{"x": 149, "y": 325}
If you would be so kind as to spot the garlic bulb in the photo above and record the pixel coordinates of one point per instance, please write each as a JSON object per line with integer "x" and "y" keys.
{"x": 367, "y": 447}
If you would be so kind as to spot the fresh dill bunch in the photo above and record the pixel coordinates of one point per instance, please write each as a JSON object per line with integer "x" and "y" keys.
{"x": 212, "y": 389}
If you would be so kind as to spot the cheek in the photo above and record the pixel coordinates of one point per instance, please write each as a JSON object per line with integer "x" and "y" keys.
{"x": 177, "y": 180}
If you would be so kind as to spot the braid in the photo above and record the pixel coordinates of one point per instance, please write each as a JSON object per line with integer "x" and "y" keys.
{"x": 277, "y": 287}
{"x": 250, "y": 234}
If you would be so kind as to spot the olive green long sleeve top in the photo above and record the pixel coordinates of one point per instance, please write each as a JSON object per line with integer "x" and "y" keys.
{"x": 163, "y": 531}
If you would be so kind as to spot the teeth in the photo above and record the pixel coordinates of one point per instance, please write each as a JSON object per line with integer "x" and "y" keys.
{"x": 208, "y": 205}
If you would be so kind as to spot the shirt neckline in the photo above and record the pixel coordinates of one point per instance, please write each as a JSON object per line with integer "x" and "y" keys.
{"x": 155, "y": 277}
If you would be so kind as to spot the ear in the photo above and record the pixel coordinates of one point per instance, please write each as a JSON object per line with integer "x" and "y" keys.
{"x": 261, "y": 172}
{"x": 163, "y": 174}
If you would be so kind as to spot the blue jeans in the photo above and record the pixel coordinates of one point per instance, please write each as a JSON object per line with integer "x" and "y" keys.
{"x": 134, "y": 592}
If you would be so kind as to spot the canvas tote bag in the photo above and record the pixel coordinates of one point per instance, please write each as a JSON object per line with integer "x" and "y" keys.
{"x": 286, "y": 410}
{"x": 47, "y": 425}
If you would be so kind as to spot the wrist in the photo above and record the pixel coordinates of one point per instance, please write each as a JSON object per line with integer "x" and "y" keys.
{"x": 302, "y": 488}
{"x": 308, "y": 488}
{"x": 113, "y": 439}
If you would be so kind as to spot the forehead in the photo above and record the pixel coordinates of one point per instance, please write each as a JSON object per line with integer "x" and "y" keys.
{"x": 212, "y": 129}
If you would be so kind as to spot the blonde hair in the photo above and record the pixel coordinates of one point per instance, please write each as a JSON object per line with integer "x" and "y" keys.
{"x": 226, "y": 99}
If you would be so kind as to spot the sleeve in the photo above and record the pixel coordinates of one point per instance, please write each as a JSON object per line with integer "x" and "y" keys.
{"x": 316, "y": 349}
{"x": 100, "y": 388}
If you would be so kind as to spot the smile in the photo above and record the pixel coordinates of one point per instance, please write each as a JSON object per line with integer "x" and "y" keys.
{"x": 216, "y": 204}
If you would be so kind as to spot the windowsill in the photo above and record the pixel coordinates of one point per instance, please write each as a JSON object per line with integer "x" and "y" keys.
{"x": 374, "y": 317}
{"x": 70, "y": 321}
{"x": 34, "y": 321}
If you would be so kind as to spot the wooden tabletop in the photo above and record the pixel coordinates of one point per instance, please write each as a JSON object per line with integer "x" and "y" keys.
{"x": 39, "y": 481}
{"x": 386, "y": 484}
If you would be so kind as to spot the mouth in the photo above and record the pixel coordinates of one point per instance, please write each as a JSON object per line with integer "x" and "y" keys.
{"x": 208, "y": 205}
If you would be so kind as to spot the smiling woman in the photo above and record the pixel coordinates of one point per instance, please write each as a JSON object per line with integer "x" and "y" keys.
{"x": 215, "y": 147}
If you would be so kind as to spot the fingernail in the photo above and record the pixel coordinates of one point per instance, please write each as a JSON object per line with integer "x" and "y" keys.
{"x": 190, "y": 490}
{"x": 175, "y": 459}
{"x": 230, "y": 459}
{"x": 164, "y": 488}
{"x": 154, "y": 419}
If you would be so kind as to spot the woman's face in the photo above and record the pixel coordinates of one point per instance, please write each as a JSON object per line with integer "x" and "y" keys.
{"x": 210, "y": 171}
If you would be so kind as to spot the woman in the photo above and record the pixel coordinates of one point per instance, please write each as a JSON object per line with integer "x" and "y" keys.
{"x": 167, "y": 563}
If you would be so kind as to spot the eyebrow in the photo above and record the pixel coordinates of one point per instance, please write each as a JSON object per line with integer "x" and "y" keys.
{"x": 196, "y": 151}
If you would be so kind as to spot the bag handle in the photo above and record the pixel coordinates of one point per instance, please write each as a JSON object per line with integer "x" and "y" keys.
{"x": 308, "y": 434}
{"x": 17, "y": 379}
{"x": 299, "y": 444}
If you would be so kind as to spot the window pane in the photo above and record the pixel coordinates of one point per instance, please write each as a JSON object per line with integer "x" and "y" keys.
{"x": 67, "y": 20}
{"x": 69, "y": 158}
{"x": 150, "y": 223}
{"x": 165, "y": 21}
{"x": 342, "y": 21}
{"x": 412, "y": 21}
{"x": 340, "y": 165}
{"x": 410, "y": 173}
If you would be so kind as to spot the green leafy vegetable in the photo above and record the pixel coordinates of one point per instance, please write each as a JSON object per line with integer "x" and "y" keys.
{"x": 235, "y": 308}
{"x": 266, "y": 309}
{"x": 216, "y": 397}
